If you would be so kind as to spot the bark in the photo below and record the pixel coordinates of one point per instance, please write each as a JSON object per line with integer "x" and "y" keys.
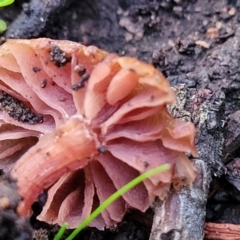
{"x": 182, "y": 214}
{"x": 34, "y": 18}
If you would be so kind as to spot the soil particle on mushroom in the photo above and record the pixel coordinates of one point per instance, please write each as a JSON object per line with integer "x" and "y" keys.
{"x": 17, "y": 110}
{"x": 58, "y": 56}
{"x": 81, "y": 82}
{"x": 80, "y": 69}
{"x": 36, "y": 69}
{"x": 44, "y": 83}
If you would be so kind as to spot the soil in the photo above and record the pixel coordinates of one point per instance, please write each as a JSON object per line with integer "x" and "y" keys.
{"x": 193, "y": 42}
{"x": 12, "y": 226}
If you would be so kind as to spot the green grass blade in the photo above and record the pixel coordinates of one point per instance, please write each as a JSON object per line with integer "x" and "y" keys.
{"x": 61, "y": 232}
{"x": 3, "y": 26}
{"x": 115, "y": 196}
{"x": 4, "y": 3}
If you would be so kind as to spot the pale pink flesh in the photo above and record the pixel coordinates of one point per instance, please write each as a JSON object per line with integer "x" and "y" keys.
{"x": 120, "y": 174}
{"x": 18, "y": 58}
{"x": 121, "y": 85}
{"x": 142, "y": 130}
{"x": 17, "y": 83}
{"x": 9, "y": 146}
{"x": 95, "y": 98}
{"x": 8, "y": 131}
{"x": 60, "y": 99}
{"x": 142, "y": 156}
{"x": 28, "y": 95}
{"x": 78, "y": 204}
{"x": 148, "y": 97}
{"x": 180, "y": 137}
{"x": 88, "y": 60}
{"x": 72, "y": 145}
{"x": 105, "y": 188}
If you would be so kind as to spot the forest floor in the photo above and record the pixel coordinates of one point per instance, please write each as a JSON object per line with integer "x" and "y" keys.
{"x": 193, "y": 42}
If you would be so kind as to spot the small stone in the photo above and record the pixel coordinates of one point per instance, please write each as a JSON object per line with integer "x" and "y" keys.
{"x": 232, "y": 11}
{"x": 224, "y": 10}
{"x": 177, "y": 9}
{"x": 212, "y": 33}
{"x": 4, "y": 202}
{"x": 171, "y": 43}
{"x": 202, "y": 44}
{"x": 198, "y": 9}
{"x": 128, "y": 36}
{"x": 218, "y": 25}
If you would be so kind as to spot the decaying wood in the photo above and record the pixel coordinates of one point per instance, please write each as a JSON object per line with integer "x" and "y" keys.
{"x": 222, "y": 231}
{"x": 232, "y": 136}
{"x": 34, "y": 17}
{"x": 182, "y": 214}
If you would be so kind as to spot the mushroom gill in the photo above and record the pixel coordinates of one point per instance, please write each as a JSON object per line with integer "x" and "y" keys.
{"x": 103, "y": 122}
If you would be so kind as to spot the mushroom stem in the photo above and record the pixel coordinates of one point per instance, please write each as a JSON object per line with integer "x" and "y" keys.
{"x": 74, "y": 144}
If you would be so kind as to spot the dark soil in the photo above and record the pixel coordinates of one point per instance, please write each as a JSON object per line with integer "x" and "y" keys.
{"x": 12, "y": 226}
{"x": 17, "y": 110}
{"x": 193, "y": 42}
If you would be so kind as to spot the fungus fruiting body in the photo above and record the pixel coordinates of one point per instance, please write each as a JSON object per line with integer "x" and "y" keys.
{"x": 104, "y": 122}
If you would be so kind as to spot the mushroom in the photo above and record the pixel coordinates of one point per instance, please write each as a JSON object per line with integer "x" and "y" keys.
{"x": 35, "y": 91}
{"x": 110, "y": 126}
